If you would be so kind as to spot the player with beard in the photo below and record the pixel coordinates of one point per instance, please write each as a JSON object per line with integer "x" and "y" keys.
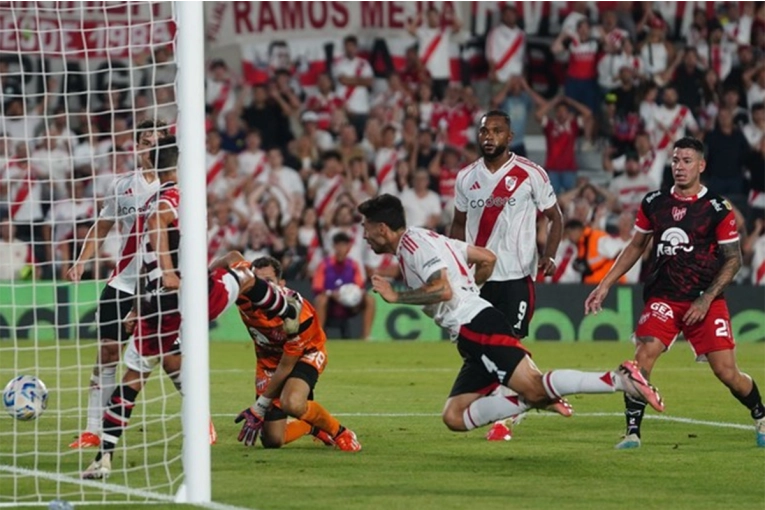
{"x": 696, "y": 255}
{"x": 497, "y": 201}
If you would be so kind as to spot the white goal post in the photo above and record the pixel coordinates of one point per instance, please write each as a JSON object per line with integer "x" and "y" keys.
{"x": 76, "y": 79}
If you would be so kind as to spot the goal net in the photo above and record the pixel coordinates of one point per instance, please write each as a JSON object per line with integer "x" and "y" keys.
{"x": 77, "y": 79}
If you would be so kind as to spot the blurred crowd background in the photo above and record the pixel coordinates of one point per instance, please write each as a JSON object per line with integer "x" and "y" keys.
{"x": 287, "y": 164}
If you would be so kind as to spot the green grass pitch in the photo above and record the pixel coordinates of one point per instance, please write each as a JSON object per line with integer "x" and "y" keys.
{"x": 391, "y": 394}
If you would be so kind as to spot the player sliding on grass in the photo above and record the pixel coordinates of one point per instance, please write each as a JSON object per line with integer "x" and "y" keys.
{"x": 157, "y": 315}
{"x": 696, "y": 256}
{"x": 436, "y": 269}
{"x": 288, "y": 368}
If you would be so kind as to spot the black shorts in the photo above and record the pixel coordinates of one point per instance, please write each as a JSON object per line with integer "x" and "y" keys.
{"x": 304, "y": 372}
{"x": 514, "y": 298}
{"x": 489, "y": 353}
{"x": 113, "y": 306}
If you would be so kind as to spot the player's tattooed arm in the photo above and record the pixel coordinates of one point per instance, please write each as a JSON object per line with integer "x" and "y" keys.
{"x": 731, "y": 253}
{"x": 435, "y": 290}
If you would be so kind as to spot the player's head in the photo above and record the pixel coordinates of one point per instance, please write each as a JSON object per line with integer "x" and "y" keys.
{"x": 165, "y": 159}
{"x": 494, "y": 134}
{"x": 269, "y": 269}
{"x": 687, "y": 162}
{"x": 384, "y": 222}
{"x": 147, "y": 134}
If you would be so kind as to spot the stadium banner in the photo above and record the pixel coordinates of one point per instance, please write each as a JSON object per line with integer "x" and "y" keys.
{"x": 66, "y": 312}
{"x": 247, "y": 22}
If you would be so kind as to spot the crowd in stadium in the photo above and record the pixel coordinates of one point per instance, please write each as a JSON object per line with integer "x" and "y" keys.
{"x": 287, "y": 166}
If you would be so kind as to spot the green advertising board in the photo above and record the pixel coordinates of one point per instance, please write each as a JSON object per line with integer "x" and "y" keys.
{"x": 66, "y": 312}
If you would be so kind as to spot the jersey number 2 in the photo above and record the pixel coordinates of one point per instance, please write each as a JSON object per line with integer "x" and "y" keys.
{"x": 723, "y": 330}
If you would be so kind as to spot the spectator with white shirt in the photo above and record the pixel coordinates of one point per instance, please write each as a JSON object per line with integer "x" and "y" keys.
{"x": 421, "y": 204}
{"x": 620, "y": 229}
{"x": 632, "y": 186}
{"x": 220, "y": 91}
{"x": 354, "y": 76}
{"x": 433, "y": 41}
{"x": 284, "y": 184}
{"x": 754, "y": 82}
{"x": 506, "y": 48}
{"x": 61, "y": 227}
{"x": 754, "y": 251}
{"x": 15, "y": 255}
{"x": 53, "y": 166}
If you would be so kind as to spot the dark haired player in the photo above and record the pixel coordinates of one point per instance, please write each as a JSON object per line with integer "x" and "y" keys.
{"x": 123, "y": 205}
{"x": 497, "y": 201}
{"x": 696, "y": 255}
{"x": 435, "y": 268}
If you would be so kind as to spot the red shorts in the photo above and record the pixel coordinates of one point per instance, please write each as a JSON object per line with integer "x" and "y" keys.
{"x": 156, "y": 335}
{"x": 663, "y": 319}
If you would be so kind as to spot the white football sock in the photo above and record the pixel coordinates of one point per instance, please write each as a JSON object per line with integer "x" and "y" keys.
{"x": 487, "y": 410}
{"x": 108, "y": 383}
{"x": 95, "y": 409}
{"x": 559, "y": 383}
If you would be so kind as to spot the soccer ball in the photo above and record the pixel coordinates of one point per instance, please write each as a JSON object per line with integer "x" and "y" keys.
{"x": 25, "y": 397}
{"x": 350, "y": 295}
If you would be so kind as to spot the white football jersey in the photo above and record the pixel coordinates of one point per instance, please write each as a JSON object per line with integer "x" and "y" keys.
{"x": 421, "y": 253}
{"x": 502, "y": 210}
{"x": 125, "y": 202}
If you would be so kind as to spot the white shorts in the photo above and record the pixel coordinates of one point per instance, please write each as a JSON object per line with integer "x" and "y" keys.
{"x": 145, "y": 364}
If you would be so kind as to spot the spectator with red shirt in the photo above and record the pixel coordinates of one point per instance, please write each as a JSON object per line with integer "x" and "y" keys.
{"x": 582, "y": 71}
{"x": 414, "y": 73}
{"x": 561, "y": 133}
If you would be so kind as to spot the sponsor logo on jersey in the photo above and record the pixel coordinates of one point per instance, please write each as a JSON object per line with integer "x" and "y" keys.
{"x": 492, "y": 201}
{"x": 652, "y": 196}
{"x": 719, "y": 206}
{"x": 678, "y": 213}
{"x": 662, "y": 311}
{"x": 673, "y": 240}
{"x": 130, "y": 210}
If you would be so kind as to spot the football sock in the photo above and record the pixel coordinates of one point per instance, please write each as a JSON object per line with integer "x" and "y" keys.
{"x": 633, "y": 412}
{"x": 559, "y": 383}
{"x": 295, "y": 430}
{"x": 487, "y": 410}
{"x": 99, "y": 393}
{"x": 753, "y": 401}
{"x": 116, "y": 418}
{"x": 266, "y": 296}
{"x": 318, "y": 416}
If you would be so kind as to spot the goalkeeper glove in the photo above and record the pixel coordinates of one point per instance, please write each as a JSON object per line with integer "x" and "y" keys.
{"x": 253, "y": 421}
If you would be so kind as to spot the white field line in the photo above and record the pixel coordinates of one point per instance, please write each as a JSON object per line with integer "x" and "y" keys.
{"x": 101, "y": 485}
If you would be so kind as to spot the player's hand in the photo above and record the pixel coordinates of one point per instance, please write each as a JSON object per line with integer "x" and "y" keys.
{"x": 384, "y": 288}
{"x": 594, "y": 302}
{"x": 697, "y": 311}
{"x": 547, "y": 266}
{"x": 251, "y": 427}
{"x": 170, "y": 280}
{"x": 129, "y": 321}
{"x": 75, "y": 272}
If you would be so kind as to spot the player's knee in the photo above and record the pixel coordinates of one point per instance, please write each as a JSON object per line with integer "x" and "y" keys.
{"x": 453, "y": 419}
{"x": 109, "y": 353}
{"x": 727, "y": 374}
{"x": 294, "y": 405}
{"x": 272, "y": 442}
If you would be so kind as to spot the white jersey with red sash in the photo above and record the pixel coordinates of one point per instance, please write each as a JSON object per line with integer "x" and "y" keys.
{"x": 124, "y": 204}
{"x": 24, "y": 192}
{"x": 506, "y": 48}
{"x": 356, "y": 98}
{"x": 433, "y": 45}
{"x": 215, "y": 164}
{"x": 502, "y": 210}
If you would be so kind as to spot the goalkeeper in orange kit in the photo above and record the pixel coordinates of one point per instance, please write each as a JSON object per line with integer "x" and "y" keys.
{"x": 288, "y": 368}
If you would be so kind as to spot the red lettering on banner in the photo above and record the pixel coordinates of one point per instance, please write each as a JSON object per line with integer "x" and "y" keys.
{"x": 242, "y": 16}
{"x": 292, "y": 15}
{"x": 340, "y": 16}
{"x": 372, "y": 14}
{"x": 394, "y": 12}
{"x": 321, "y": 20}
{"x": 266, "y": 17}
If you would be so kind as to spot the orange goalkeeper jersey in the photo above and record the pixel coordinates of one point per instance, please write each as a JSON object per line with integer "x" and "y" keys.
{"x": 270, "y": 339}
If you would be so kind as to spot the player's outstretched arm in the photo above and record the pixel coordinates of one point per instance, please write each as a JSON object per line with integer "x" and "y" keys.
{"x": 624, "y": 262}
{"x": 731, "y": 254}
{"x": 226, "y": 261}
{"x": 435, "y": 290}
{"x": 484, "y": 260}
{"x": 93, "y": 240}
